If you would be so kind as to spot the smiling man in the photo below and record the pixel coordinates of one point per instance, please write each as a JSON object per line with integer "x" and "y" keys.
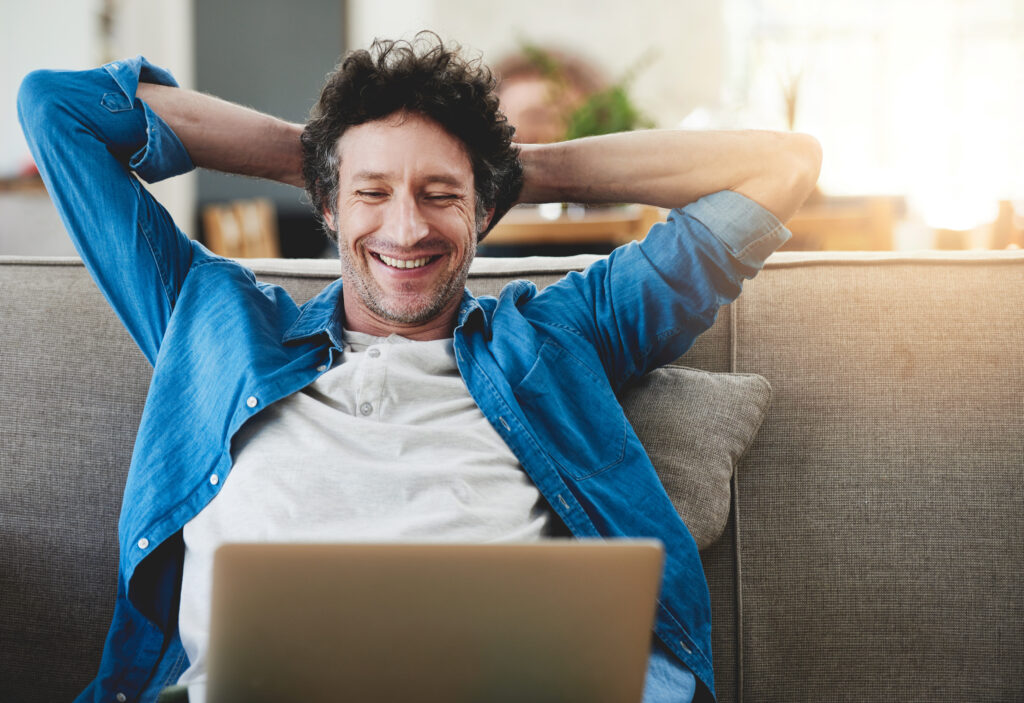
{"x": 406, "y": 173}
{"x": 410, "y": 225}
{"x": 394, "y": 405}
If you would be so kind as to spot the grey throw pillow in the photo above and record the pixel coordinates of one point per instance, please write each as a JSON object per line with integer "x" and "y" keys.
{"x": 695, "y": 426}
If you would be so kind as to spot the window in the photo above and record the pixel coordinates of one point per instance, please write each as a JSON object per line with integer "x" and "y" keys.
{"x": 908, "y": 97}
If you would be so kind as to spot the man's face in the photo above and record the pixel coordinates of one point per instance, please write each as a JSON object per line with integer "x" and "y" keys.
{"x": 406, "y": 226}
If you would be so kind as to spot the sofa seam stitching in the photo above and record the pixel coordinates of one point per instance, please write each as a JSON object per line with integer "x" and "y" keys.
{"x": 737, "y": 559}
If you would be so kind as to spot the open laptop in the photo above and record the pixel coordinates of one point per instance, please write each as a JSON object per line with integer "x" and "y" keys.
{"x": 554, "y": 621}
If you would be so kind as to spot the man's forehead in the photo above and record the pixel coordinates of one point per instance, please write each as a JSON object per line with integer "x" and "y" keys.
{"x": 385, "y": 148}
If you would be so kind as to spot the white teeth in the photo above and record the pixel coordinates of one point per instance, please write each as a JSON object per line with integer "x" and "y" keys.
{"x": 401, "y": 264}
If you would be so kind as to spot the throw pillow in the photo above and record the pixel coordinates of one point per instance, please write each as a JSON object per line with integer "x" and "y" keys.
{"x": 695, "y": 426}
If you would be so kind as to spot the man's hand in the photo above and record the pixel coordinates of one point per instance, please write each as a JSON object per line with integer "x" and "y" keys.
{"x": 671, "y": 168}
{"x": 226, "y": 137}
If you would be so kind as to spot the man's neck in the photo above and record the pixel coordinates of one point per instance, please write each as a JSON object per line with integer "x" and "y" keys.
{"x": 440, "y": 327}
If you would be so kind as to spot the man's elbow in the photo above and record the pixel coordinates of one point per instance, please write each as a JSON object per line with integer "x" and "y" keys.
{"x": 787, "y": 174}
{"x": 796, "y": 174}
{"x": 806, "y": 152}
{"x": 39, "y": 96}
{"x": 32, "y": 92}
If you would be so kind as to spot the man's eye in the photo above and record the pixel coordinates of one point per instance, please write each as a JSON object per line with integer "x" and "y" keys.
{"x": 442, "y": 197}
{"x": 371, "y": 193}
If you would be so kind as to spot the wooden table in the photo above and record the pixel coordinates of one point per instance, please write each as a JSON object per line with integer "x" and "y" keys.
{"x": 854, "y": 224}
{"x": 616, "y": 224}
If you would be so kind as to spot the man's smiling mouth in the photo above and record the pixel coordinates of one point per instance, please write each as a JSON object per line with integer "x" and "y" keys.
{"x": 405, "y": 263}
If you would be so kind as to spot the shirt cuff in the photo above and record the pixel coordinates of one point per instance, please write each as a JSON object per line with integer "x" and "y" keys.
{"x": 748, "y": 231}
{"x": 163, "y": 155}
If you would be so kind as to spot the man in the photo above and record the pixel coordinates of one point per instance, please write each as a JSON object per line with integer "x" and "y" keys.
{"x": 401, "y": 406}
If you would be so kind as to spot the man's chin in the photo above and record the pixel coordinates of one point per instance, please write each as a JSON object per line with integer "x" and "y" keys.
{"x": 409, "y": 312}
{"x": 408, "y": 304}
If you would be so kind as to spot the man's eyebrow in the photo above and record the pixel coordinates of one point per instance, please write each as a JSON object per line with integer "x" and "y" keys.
{"x": 443, "y": 178}
{"x": 371, "y": 176}
{"x": 446, "y": 179}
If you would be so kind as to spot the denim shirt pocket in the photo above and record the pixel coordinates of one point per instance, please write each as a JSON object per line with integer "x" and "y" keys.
{"x": 116, "y": 102}
{"x": 573, "y": 413}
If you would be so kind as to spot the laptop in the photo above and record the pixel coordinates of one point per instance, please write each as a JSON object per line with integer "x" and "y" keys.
{"x": 559, "y": 621}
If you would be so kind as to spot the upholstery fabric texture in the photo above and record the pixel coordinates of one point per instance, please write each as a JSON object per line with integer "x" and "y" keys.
{"x": 696, "y": 426}
{"x": 882, "y": 504}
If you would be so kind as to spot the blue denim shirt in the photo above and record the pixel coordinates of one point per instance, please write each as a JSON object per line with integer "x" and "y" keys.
{"x": 224, "y": 346}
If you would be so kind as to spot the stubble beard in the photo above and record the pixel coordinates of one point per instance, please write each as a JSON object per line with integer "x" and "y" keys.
{"x": 414, "y": 312}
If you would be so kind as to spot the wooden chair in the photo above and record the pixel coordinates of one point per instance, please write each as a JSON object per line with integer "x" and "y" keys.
{"x": 242, "y": 229}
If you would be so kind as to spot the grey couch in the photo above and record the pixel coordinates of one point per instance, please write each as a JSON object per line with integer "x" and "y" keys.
{"x": 875, "y": 542}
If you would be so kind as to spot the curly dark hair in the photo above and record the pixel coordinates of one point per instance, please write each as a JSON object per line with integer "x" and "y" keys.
{"x": 424, "y": 77}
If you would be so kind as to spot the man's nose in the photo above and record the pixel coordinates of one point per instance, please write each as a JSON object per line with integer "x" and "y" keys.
{"x": 408, "y": 225}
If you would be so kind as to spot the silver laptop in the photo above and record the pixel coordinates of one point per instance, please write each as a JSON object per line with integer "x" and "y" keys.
{"x": 555, "y": 621}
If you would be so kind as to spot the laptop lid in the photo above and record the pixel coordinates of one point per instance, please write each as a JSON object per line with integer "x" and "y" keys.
{"x": 563, "y": 621}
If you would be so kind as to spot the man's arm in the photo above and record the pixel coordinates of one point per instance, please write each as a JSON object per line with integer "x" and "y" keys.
{"x": 645, "y": 304}
{"x": 665, "y": 168}
{"x": 671, "y": 168}
{"x": 89, "y": 130}
{"x": 88, "y": 133}
{"x": 226, "y": 137}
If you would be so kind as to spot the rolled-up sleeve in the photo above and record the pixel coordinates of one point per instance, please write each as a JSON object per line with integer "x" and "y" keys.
{"x": 749, "y": 231}
{"x": 162, "y": 155}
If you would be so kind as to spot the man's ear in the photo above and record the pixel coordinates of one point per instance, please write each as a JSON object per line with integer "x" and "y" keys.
{"x": 487, "y": 221}
{"x": 329, "y": 219}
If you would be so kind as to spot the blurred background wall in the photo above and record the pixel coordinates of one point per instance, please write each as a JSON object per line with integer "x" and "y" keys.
{"x": 916, "y": 102}
{"x": 682, "y": 43}
{"x": 270, "y": 55}
{"x": 78, "y": 34}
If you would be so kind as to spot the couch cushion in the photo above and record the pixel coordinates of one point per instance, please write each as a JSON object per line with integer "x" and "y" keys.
{"x": 696, "y": 426}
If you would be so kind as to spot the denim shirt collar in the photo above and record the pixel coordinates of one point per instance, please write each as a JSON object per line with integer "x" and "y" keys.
{"x": 325, "y": 314}
{"x": 467, "y": 306}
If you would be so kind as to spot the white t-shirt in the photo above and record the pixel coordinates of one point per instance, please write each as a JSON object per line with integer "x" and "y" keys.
{"x": 387, "y": 446}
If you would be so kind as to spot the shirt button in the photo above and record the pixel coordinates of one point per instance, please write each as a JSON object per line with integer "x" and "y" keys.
{"x": 214, "y": 479}
{"x": 251, "y": 401}
{"x": 366, "y": 408}
{"x": 121, "y": 698}
{"x": 143, "y": 543}
{"x": 374, "y": 353}
{"x": 321, "y": 368}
